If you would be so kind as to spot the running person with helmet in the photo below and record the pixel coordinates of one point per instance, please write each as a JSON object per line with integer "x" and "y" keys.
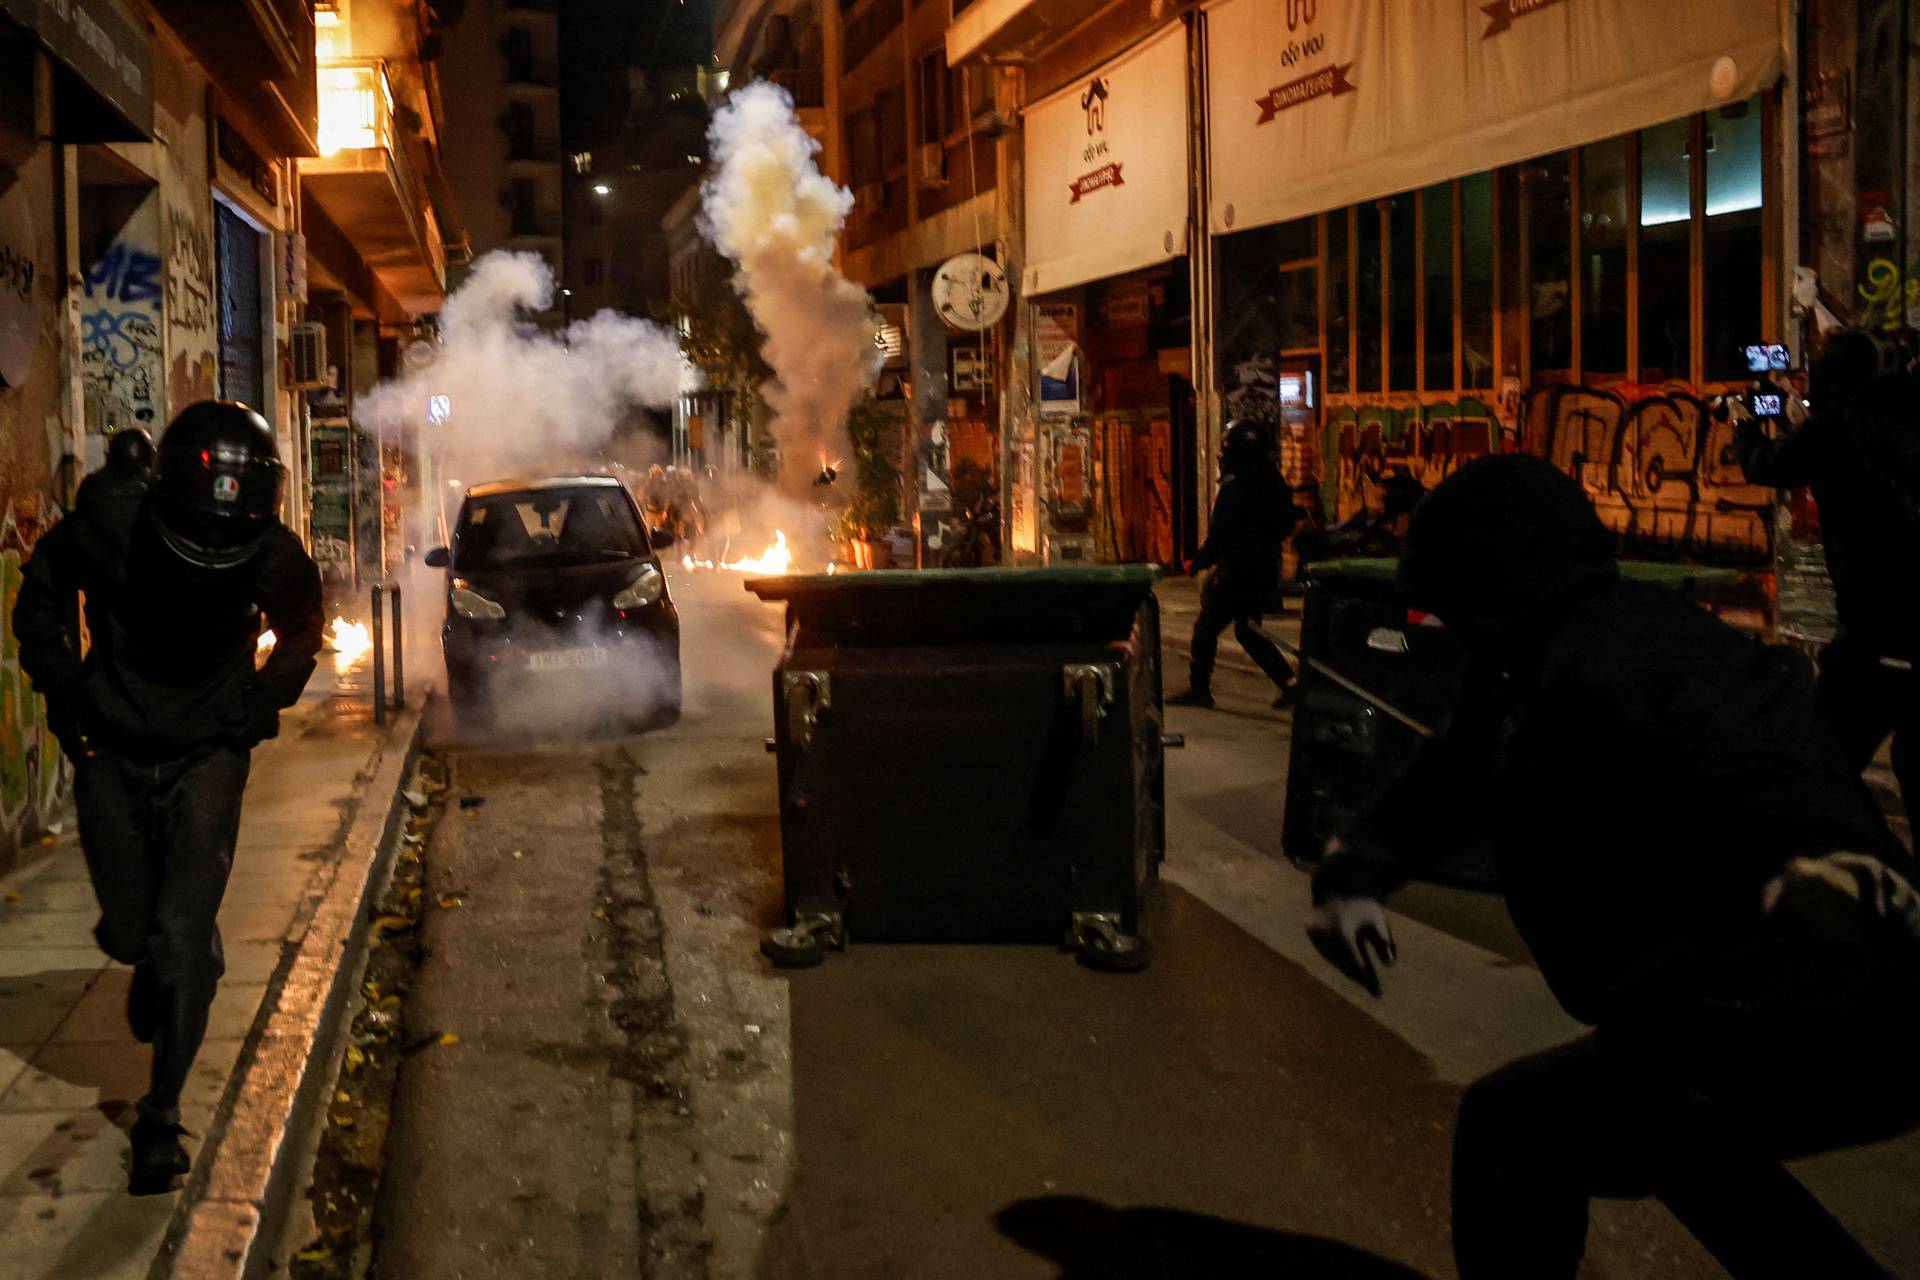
{"x": 160, "y": 714}
{"x": 1251, "y": 519}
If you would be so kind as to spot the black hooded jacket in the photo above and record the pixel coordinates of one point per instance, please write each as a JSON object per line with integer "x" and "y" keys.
{"x": 1252, "y": 516}
{"x": 171, "y": 663}
{"x": 1861, "y": 456}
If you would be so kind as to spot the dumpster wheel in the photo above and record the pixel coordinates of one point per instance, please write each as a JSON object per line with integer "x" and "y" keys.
{"x": 1103, "y": 947}
{"x": 805, "y": 944}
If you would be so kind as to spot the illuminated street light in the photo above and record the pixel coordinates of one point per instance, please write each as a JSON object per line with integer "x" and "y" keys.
{"x": 602, "y": 189}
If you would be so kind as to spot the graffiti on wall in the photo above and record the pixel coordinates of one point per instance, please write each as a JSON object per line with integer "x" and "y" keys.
{"x": 190, "y": 307}
{"x": 30, "y": 773}
{"x": 120, "y": 346}
{"x": 1890, "y": 299}
{"x": 1659, "y": 468}
{"x": 1364, "y": 444}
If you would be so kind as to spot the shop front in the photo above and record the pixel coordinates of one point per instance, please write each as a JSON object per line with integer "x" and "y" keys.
{"x": 1107, "y": 199}
{"x": 1558, "y": 237}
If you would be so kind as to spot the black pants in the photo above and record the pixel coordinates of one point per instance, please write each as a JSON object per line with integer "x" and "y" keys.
{"x": 1687, "y": 1114}
{"x": 1223, "y": 605}
{"x": 1865, "y": 700}
{"x": 159, "y": 843}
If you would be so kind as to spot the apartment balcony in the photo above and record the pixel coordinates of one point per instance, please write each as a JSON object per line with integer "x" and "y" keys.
{"x": 261, "y": 53}
{"x": 1012, "y": 30}
{"x": 366, "y": 184}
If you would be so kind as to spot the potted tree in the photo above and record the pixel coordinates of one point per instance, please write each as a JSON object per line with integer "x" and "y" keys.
{"x": 875, "y": 505}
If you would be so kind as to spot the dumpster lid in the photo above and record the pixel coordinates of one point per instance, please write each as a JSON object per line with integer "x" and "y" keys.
{"x": 789, "y": 586}
{"x": 1658, "y": 573}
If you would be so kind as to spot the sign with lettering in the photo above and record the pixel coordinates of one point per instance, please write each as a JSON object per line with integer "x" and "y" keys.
{"x": 1107, "y": 168}
{"x": 108, "y": 49}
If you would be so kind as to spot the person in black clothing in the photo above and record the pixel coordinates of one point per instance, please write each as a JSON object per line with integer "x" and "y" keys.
{"x": 159, "y": 715}
{"x": 1859, "y": 450}
{"x": 129, "y": 465}
{"x": 1698, "y": 872}
{"x": 1251, "y": 519}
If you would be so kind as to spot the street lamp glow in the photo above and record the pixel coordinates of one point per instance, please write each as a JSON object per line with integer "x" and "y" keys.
{"x": 602, "y": 189}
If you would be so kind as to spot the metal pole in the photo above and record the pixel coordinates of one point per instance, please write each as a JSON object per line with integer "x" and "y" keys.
{"x": 399, "y": 667}
{"x": 379, "y": 663}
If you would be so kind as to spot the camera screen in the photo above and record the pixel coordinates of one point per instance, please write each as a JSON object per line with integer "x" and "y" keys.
{"x": 1766, "y": 357}
{"x": 1767, "y": 406}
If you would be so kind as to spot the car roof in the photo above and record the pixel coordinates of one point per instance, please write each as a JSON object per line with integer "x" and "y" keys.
{"x": 494, "y": 488}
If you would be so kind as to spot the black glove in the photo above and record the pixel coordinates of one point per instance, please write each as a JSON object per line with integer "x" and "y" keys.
{"x": 262, "y": 721}
{"x": 1346, "y": 930}
{"x": 67, "y": 719}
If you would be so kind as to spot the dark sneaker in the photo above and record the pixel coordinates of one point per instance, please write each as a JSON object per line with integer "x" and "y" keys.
{"x": 1192, "y": 698}
{"x": 143, "y": 1003}
{"x": 158, "y": 1157}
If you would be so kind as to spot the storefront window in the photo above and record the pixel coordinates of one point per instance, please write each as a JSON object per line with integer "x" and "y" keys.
{"x": 1267, "y": 298}
{"x": 1403, "y": 299}
{"x": 1436, "y": 230}
{"x": 1339, "y": 356}
{"x": 1665, "y": 207}
{"x": 1366, "y": 302}
{"x": 1547, "y": 192}
{"x": 1476, "y": 280}
{"x": 1734, "y": 236}
{"x": 1605, "y": 222}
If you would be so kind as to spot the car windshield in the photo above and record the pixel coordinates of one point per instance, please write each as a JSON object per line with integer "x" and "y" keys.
{"x": 547, "y": 527}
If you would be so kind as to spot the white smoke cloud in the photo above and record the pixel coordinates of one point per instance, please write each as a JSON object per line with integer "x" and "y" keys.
{"x": 521, "y": 396}
{"x": 770, "y": 210}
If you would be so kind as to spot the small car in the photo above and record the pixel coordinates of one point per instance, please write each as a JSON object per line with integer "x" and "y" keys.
{"x": 557, "y": 607}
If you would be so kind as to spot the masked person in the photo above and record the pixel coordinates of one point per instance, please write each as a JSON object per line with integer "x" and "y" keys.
{"x": 1859, "y": 451}
{"x": 160, "y": 714}
{"x": 1698, "y": 872}
{"x": 129, "y": 465}
{"x": 1252, "y": 516}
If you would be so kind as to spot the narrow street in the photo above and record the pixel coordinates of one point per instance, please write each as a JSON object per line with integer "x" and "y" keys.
{"x": 635, "y": 1091}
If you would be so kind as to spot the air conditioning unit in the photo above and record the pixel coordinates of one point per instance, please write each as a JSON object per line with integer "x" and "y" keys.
{"x": 307, "y": 357}
{"x": 930, "y": 164}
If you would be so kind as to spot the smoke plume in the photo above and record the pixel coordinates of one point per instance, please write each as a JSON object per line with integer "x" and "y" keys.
{"x": 520, "y": 396}
{"x": 770, "y": 210}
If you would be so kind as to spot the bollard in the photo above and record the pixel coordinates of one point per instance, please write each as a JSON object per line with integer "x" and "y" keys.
{"x": 399, "y": 667}
{"x": 379, "y": 663}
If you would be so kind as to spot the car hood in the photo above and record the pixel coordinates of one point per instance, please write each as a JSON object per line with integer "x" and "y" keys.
{"x": 546, "y": 588}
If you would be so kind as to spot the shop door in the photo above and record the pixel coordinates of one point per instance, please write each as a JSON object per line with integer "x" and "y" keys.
{"x": 238, "y": 246}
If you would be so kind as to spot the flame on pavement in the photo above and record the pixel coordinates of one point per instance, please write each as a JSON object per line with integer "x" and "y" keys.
{"x": 777, "y": 558}
{"x": 349, "y": 640}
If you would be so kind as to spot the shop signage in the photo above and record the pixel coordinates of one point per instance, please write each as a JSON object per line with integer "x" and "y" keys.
{"x": 239, "y": 156}
{"x": 1107, "y": 168}
{"x": 19, "y": 321}
{"x": 102, "y": 44}
{"x": 1303, "y": 117}
{"x": 1501, "y": 13}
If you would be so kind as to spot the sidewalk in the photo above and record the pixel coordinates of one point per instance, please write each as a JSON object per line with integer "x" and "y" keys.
{"x": 69, "y": 1070}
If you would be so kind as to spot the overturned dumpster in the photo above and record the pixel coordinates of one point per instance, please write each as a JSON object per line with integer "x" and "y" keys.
{"x": 969, "y": 756}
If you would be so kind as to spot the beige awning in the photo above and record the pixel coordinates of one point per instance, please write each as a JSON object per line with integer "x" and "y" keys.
{"x": 1107, "y": 173}
{"x": 1314, "y": 105}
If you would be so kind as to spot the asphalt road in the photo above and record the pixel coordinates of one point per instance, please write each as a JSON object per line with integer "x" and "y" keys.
{"x": 635, "y": 1092}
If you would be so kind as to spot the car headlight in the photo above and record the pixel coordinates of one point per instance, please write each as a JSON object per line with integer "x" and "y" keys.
{"x": 643, "y": 591}
{"x": 470, "y": 604}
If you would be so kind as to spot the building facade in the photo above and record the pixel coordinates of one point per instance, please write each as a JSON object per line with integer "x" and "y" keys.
{"x": 163, "y": 231}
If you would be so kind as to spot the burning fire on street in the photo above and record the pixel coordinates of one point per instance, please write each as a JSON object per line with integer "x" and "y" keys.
{"x": 348, "y": 639}
{"x": 776, "y": 559}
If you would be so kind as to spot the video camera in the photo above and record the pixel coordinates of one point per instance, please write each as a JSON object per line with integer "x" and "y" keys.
{"x": 1770, "y": 396}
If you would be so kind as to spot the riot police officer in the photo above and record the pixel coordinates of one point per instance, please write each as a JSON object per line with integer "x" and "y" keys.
{"x": 129, "y": 464}
{"x": 1252, "y": 516}
{"x": 160, "y": 714}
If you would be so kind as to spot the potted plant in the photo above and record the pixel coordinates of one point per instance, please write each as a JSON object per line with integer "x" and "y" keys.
{"x": 875, "y": 505}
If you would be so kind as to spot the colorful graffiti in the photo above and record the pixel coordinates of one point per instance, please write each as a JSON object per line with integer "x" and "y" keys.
{"x": 1363, "y": 444}
{"x": 120, "y": 345}
{"x": 1890, "y": 297}
{"x": 1660, "y": 469}
{"x": 30, "y": 764}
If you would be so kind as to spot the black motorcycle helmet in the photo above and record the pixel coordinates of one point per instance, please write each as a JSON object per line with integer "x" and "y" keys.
{"x": 1501, "y": 543}
{"x": 1847, "y": 361}
{"x": 217, "y": 483}
{"x": 130, "y": 450}
{"x": 1246, "y": 448}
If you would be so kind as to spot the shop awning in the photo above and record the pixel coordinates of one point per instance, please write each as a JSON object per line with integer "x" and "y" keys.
{"x": 104, "y": 52}
{"x": 1313, "y": 106}
{"x": 1106, "y": 168}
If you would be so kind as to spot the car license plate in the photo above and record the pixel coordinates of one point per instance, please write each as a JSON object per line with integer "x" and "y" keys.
{"x": 567, "y": 660}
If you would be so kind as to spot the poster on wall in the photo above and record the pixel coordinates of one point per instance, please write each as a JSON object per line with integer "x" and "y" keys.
{"x": 1070, "y": 496}
{"x": 1056, "y": 338}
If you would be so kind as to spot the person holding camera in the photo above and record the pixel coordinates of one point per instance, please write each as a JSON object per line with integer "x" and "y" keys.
{"x": 1246, "y": 532}
{"x": 161, "y": 711}
{"x": 1698, "y": 873}
{"x": 1858, "y": 449}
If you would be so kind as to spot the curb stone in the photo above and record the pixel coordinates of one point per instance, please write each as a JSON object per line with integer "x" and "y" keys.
{"x": 240, "y": 1195}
